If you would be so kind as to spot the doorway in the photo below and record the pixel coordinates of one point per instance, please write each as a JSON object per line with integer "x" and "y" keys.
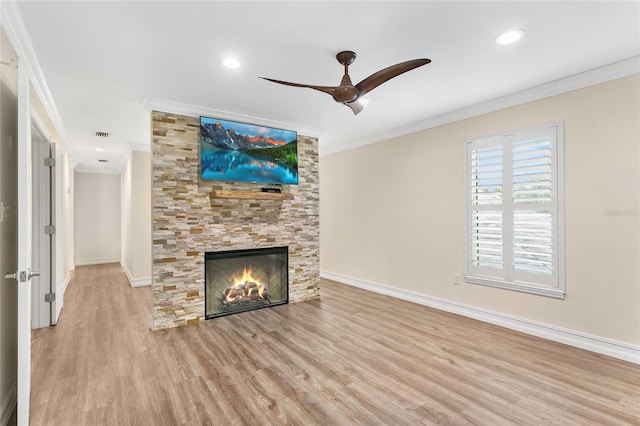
{"x": 43, "y": 295}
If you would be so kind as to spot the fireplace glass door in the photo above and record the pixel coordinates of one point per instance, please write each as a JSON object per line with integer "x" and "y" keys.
{"x": 243, "y": 280}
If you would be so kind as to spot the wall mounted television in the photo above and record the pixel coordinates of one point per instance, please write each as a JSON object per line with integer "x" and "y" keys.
{"x": 242, "y": 152}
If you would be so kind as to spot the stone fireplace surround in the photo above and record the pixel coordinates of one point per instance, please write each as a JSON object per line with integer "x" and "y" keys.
{"x": 187, "y": 222}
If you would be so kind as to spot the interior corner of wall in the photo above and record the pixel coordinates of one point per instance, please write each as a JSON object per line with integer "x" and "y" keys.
{"x": 8, "y": 404}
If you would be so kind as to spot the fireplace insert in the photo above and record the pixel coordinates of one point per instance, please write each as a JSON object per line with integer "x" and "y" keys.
{"x": 243, "y": 280}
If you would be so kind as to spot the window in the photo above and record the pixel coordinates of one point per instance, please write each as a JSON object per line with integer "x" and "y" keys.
{"x": 514, "y": 211}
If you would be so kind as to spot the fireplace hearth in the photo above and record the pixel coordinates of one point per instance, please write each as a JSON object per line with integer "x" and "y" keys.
{"x": 243, "y": 280}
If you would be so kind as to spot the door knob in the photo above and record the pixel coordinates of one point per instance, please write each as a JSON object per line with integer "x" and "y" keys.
{"x": 24, "y": 276}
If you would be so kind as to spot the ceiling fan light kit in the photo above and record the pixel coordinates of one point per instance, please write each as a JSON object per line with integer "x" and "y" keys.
{"x": 348, "y": 94}
{"x": 510, "y": 37}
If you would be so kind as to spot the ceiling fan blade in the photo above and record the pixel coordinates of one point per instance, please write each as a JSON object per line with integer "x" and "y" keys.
{"x": 356, "y": 106}
{"x": 376, "y": 79}
{"x": 325, "y": 89}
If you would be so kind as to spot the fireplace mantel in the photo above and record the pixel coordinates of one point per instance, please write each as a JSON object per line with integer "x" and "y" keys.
{"x": 250, "y": 195}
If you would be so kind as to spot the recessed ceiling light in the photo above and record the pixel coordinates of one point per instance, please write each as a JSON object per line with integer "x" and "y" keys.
{"x": 510, "y": 37}
{"x": 231, "y": 63}
{"x": 99, "y": 150}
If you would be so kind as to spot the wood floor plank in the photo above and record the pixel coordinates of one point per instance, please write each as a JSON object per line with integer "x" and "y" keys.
{"x": 350, "y": 358}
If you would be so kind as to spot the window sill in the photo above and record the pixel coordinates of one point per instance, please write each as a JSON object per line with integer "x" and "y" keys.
{"x": 516, "y": 286}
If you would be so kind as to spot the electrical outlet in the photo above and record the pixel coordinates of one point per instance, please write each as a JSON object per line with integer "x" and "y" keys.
{"x": 456, "y": 278}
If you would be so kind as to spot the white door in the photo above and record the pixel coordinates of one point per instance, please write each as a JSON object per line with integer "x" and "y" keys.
{"x": 8, "y": 228}
{"x": 24, "y": 273}
{"x": 42, "y": 232}
{"x": 21, "y": 209}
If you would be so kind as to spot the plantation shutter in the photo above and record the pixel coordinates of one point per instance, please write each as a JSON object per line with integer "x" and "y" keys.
{"x": 487, "y": 242}
{"x": 512, "y": 211}
{"x": 534, "y": 213}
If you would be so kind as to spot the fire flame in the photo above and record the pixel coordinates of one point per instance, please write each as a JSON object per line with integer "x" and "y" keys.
{"x": 247, "y": 276}
{"x": 248, "y": 286}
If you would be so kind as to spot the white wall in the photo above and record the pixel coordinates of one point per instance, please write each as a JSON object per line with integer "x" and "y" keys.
{"x": 126, "y": 238}
{"x": 68, "y": 190}
{"x": 392, "y": 213}
{"x": 64, "y": 244}
{"x": 136, "y": 218}
{"x": 97, "y": 218}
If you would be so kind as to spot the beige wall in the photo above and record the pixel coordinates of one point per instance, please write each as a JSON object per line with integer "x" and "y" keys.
{"x": 125, "y": 228}
{"x": 392, "y": 213}
{"x": 136, "y": 218}
{"x": 68, "y": 212}
{"x": 97, "y": 218}
{"x": 141, "y": 215}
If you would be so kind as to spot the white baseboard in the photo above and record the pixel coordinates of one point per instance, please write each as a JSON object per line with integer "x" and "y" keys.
{"x": 97, "y": 261}
{"x": 620, "y": 350}
{"x": 66, "y": 282}
{"x": 8, "y": 404}
{"x": 136, "y": 282}
{"x": 140, "y": 282}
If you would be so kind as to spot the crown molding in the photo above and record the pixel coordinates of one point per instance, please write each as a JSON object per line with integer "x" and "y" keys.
{"x": 114, "y": 167}
{"x": 95, "y": 170}
{"x": 40, "y": 126}
{"x": 19, "y": 39}
{"x": 154, "y": 104}
{"x": 578, "y": 81}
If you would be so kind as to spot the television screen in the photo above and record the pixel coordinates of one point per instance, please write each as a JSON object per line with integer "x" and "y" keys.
{"x": 233, "y": 151}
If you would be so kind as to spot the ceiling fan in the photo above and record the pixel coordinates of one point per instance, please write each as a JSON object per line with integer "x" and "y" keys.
{"x": 348, "y": 94}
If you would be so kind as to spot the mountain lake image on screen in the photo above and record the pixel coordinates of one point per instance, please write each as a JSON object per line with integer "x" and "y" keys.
{"x": 234, "y": 151}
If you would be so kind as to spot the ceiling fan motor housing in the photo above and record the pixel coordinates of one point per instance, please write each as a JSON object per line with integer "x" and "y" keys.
{"x": 346, "y": 94}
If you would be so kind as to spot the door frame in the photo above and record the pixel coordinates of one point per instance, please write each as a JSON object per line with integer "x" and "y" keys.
{"x": 59, "y": 277}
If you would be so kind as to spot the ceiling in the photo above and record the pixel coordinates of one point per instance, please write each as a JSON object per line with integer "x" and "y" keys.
{"x": 101, "y": 60}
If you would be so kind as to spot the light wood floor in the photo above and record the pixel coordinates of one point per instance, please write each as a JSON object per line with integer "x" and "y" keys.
{"x": 351, "y": 358}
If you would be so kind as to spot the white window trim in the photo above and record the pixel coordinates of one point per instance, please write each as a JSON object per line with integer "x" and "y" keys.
{"x": 556, "y": 291}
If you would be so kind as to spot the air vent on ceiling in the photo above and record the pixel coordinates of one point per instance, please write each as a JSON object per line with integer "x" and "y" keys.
{"x": 103, "y": 161}
{"x": 102, "y": 134}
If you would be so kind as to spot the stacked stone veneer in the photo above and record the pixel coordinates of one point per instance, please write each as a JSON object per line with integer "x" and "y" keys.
{"x": 187, "y": 222}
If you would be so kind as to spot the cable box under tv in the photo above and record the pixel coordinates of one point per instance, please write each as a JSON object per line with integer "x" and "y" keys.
{"x": 271, "y": 190}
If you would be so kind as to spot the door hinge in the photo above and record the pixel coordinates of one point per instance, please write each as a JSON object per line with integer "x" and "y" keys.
{"x": 51, "y": 297}
{"x": 49, "y": 229}
{"x": 49, "y": 161}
